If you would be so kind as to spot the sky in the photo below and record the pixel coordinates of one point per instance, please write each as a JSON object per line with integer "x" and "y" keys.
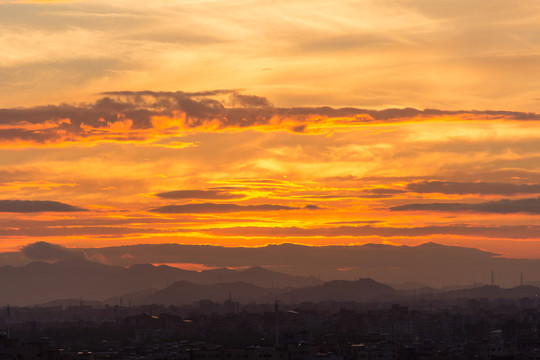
{"x": 245, "y": 123}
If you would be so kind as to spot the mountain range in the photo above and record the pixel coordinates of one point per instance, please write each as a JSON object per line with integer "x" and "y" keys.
{"x": 429, "y": 263}
{"x": 46, "y": 272}
{"x": 73, "y": 280}
{"x": 41, "y": 282}
{"x": 184, "y": 292}
{"x": 361, "y": 290}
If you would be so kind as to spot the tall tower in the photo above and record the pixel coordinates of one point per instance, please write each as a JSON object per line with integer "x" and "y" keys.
{"x": 492, "y": 278}
{"x": 521, "y": 280}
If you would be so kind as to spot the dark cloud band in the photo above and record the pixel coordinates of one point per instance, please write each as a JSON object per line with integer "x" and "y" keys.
{"x": 211, "y": 208}
{"x": 219, "y": 108}
{"x": 531, "y": 206}
{"x": 481, "y": 188}
{"x": 198, "y": 194}
{"x": 495, "y": 232}
{"x": 31, "y": 206}
{"x": 42, "y": 250}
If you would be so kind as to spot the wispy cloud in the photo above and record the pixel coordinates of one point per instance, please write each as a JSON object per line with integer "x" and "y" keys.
{"x": 411, "y": 53}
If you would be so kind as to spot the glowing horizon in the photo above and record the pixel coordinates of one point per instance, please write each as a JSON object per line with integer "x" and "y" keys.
{"x": 253, "y": 174}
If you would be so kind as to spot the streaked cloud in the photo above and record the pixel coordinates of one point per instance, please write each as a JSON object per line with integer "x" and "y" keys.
{"x": 302, "y": 174}
{"x": 496, "y": 232}
{"x": 461, "y": 188}
{"x": 505, "y": 206}
{"x": 209, "y": 208}
{"x": 150, "y": 117}
{"x": 198, "y": 194}
{"x": 32, "y": 206}
{"x": 376, "y": 53}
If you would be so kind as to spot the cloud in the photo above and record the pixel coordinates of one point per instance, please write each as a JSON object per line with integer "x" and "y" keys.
{"x": 531, "y": 206}
{"x": 211, "y": 208}
{"x": 249, "y": 100}
{"x": 66, "y": 231}
{"x": 31, "y": 206}
{"x": 403, "y": 113}
{"x": 128, "y": 116}
{"x": 354, "y": 222}
{"x": 198, "y": 194}
{"x": 481, "y": 188}
{"x": 145, "y": 116}
{"x": 202, "y": 108}
{"x": 385, "y": 191}
{"x": 42, "y": 250}
{"x": 305, "y": 67}
{"x": 496, "y": 232}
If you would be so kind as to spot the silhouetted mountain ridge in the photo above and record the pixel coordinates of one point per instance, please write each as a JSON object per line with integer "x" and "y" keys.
{"x": 185, "y": 292}
{"x": 342, "y": 290}
{"x": 430, "y": 263}
{"x": 41, "y": 282}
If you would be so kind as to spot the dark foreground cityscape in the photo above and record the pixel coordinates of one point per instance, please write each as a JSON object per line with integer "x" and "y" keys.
{"x": 421, "y": 328}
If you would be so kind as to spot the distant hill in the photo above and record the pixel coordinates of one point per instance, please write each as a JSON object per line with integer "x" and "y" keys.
{"x": 184, "y": 292}
{"x": 429, "y": 263}
{"x": 432, "y": 264}
{"x": 138, "y": 276}
{"x": 408, "y": 285}
{"x": 41, "y": 282}
{"x": 493, "y": 291}
{"x": 70, "y": 302}
{"x": 534, "y": 283}
{"x": 256, "y": 275}
{"x": 341, "y": 290}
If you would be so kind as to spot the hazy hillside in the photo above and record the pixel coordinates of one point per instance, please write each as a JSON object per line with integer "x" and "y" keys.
{"x": 76, "y": 278}
{"x": 428, "y": 263}
{"x": 341, "y": 290}
{"x": 185, "y": 292}
{"x": 492, "y": 291}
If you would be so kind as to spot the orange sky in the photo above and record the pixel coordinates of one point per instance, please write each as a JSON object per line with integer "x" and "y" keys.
{"x": 111, "y": 132}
